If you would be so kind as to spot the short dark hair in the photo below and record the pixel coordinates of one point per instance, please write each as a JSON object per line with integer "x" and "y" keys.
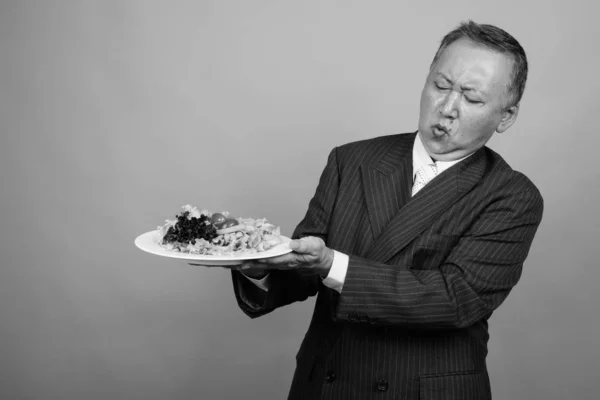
{"x": 498, "y": 40}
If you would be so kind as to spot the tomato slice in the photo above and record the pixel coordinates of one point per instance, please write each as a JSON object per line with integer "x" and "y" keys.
{"x": 228, "y": 223}
{"x": 217, "y": 218}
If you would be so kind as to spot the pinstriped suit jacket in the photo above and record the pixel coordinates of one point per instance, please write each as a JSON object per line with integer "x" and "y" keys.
{"x": 424, "y": 276}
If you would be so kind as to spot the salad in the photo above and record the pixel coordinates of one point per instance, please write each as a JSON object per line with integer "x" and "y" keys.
{"x": 202, "y": 232}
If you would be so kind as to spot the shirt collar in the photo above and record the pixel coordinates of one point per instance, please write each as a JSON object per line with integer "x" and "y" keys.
{"x": 422, "y": 158}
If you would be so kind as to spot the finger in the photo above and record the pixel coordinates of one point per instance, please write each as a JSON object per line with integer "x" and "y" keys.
{"x": 283, "y": 259}
{"x": 284, "y": 264}
{"x": 213, "y": 266}
{"x": 307, "y": 245}
{"x": 249, "y": 265}
{"x": 254, "y": 266}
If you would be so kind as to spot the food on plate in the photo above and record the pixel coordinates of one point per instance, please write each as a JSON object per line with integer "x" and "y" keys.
{"x": 202, "y": 232}
{"x": 217, "y": 218}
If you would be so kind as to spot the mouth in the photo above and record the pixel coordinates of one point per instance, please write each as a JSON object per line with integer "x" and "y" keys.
{"x": 439, "y": 130}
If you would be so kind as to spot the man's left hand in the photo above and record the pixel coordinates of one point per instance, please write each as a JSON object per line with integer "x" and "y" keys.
{"x": 309, "y": 256}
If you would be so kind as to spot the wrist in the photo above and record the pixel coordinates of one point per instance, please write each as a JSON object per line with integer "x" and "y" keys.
{"x": 324, "y": 271}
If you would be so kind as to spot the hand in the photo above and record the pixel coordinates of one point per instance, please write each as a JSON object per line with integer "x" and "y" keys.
{"x": 256, "y": 273}
{"x": 252, "y": 270}
{"x": 309, "y": 256}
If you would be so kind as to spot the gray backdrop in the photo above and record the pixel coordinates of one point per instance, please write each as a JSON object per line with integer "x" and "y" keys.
{"x": 115, "y": 114}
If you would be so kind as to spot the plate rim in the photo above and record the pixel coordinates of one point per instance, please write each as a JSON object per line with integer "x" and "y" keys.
{"x": 145, "y": 237}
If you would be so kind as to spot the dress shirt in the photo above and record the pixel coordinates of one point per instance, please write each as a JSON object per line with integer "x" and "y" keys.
{"x": 337, "y": 274}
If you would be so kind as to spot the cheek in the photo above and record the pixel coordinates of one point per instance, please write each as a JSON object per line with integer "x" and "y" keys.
{"x": 477, "y": 127}
{"x": 484, "y": 121}
{"x": 427, "y": 103}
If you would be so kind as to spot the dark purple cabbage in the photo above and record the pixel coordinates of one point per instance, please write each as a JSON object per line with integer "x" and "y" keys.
{"x": 186, "y": 230}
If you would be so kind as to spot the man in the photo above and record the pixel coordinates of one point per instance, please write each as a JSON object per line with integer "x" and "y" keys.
{"x": 412, "y": 241}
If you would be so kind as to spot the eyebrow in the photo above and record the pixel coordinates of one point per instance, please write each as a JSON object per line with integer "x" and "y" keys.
{"x": 445, "y": 77}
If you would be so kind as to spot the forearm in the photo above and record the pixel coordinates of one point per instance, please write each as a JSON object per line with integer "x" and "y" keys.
{"x": 445, "y": 298}
{"x": 285, "y": 287}
{"x": 472, "y": 279}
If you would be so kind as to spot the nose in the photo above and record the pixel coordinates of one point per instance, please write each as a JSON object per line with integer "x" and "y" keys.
{"x": 449, "y": 106}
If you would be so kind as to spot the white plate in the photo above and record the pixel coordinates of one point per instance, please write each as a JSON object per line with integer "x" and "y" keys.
{"x": 149, "y": 243}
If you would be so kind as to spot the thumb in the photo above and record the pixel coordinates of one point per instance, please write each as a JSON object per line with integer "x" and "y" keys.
{"x": 304, "y": 245}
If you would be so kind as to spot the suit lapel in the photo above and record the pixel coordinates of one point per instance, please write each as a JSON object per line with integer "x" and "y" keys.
{"x": 385, "y": 182}
{"x": 421, "y": 210}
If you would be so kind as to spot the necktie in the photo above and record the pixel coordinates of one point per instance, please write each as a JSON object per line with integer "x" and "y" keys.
{"x": 425, "y": 174}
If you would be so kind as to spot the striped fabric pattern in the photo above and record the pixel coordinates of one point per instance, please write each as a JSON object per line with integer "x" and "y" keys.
{"x": 425, "y": 273}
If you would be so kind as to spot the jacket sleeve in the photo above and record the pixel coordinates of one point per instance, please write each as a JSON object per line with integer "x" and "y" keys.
{"x": 287, "y": 287}
{"x": 470, "y": 283}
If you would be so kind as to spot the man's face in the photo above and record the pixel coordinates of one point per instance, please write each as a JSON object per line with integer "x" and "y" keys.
{"x": 463, "y": 101}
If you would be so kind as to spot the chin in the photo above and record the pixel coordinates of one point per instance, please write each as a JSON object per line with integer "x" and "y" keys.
{"x": 436, "y": 143}
{"x": 441, "y": 151}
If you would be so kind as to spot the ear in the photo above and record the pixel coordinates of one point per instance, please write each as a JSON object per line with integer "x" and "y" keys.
{"x": 509, "y": 117}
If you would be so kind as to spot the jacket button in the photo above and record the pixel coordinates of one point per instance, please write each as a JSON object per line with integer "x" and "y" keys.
{"x": 330, "y": 377}
{"x": 382, "y": 385}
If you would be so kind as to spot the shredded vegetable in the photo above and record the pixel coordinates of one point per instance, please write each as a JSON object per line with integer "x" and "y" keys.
{"x": 194, "y": 232}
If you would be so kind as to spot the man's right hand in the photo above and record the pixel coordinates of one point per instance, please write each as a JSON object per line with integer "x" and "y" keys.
{"x": 252, "y": 272}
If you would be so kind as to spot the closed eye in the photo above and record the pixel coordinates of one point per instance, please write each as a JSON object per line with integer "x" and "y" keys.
{"x": 440, "y": 87}
{"x": 473, "y": 101}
